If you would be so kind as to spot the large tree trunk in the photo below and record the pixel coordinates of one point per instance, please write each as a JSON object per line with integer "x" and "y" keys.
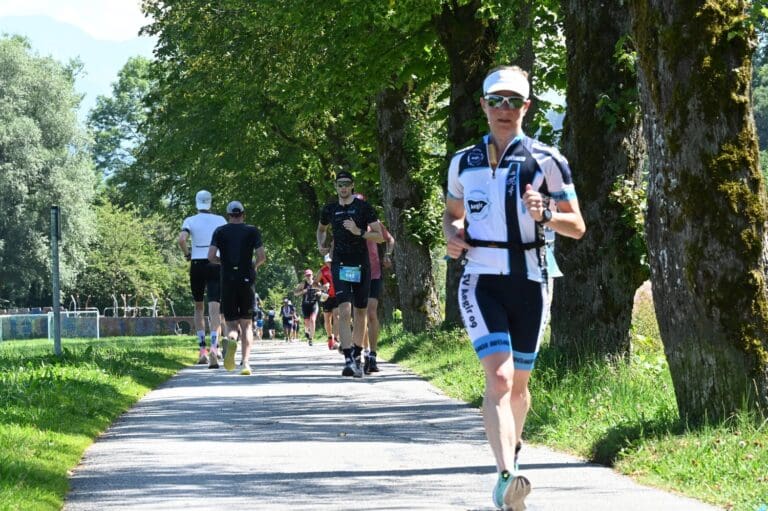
{"x": 388, "y": 300}
{"x": 471, "y": 46}
{"x": 524, "y": 55}
{"x": 416, "y": 286}
{"x": 706, "y": 217}
{"x": 592, "y": 306}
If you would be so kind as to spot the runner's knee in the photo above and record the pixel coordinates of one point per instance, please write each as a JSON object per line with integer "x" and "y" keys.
{"x": 499, "y": 382}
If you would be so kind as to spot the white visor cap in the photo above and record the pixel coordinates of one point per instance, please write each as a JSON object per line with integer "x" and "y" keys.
{"x": 507, "y": 80}
{"x": 203, "y": 199}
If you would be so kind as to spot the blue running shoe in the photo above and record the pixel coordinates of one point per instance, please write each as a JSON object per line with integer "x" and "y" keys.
{"x": 510, "y": 492}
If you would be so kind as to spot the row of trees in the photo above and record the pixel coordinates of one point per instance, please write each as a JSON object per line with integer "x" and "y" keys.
{"x": 47, "y": 158}
{"x": 113, "y": 243}
{"x": 265, "y": 101}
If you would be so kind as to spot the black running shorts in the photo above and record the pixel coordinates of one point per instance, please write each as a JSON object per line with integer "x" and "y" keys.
{"x": 308, "y": 309}
{"x": 355, "y": 292}
{"x": 329, "y": 304}
{"x": 375, "y": 291}
{"x": 204, "y": 276}
{"x": 237, "y": 301}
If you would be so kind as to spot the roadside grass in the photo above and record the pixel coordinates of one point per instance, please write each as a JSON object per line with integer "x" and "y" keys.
{"x": 52, "y": 408}
{"x": 617, "y": 413}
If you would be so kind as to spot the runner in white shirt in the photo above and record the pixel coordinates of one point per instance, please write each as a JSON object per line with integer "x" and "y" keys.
{"x": 203, "y": 275}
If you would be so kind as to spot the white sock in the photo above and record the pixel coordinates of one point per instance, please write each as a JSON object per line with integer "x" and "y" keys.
{"x": 214, "y": 339}
{"x": 201, "y": 338}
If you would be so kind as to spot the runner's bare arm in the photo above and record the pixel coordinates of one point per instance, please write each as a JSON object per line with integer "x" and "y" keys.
{"x": 453, "y": 227}
{"x": 212, "y": 257}
{"x": 322, "y": 238}
{"x": 261, "y": 257}
{"x": 389, "y": 250}
{"x": 183, "y": 237}
{"x": 374, "y": 232}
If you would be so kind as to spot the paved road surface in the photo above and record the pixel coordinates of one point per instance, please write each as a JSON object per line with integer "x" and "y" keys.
{"x": 296, "y": 435}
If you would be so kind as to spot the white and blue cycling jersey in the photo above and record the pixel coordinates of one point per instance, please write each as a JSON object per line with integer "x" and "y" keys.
{"x": 495, "y": 211}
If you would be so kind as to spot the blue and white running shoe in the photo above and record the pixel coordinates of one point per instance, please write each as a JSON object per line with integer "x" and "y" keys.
{"x": 510, "y": 492}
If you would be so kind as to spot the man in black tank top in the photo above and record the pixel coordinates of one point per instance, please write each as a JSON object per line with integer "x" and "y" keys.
{"x": 237, "y": 243}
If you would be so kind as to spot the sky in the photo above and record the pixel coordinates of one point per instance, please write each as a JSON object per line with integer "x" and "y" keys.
{"x": 105, "y": 20}
{"x": 103, "y": 34}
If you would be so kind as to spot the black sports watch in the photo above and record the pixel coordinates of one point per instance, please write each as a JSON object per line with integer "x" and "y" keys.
{"x": 546, "y": 216}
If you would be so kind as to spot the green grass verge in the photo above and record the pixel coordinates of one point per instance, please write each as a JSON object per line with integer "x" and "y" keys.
{"x": 619, "y": 414}
{"x": 52, "y": 408}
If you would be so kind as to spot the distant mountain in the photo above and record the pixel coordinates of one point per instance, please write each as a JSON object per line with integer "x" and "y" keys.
{"x": 101, "y": 59}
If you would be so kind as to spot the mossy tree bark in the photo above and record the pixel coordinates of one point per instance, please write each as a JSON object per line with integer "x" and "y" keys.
{"x": 389, "y": 297}
{"x": 470, "y": 44}
{"x": 706, "y": 219}
{"x": 592, "y": 304}
{"x": 415, "y": 284}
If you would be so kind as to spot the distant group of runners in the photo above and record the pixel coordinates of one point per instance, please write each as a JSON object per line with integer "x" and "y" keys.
{"x": 506, "y": 197}
{"x": 224, "y": 255}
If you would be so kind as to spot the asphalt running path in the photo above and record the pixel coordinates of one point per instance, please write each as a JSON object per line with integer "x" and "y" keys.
{"x": 297, "y": 435}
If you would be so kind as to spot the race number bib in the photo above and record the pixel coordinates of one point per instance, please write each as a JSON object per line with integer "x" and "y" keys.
{"x": 350, "y": 273}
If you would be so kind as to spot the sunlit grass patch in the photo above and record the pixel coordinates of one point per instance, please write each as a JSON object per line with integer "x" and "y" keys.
{"x": 725, "y": 464}
{"x": 54, "y": 407}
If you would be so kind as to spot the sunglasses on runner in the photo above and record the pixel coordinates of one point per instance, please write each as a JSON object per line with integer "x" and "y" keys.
{"x": 497, "y": 101}
{"x": 344, "y": 184}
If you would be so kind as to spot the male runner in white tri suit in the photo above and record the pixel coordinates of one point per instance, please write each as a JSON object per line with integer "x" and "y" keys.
{"x": 203, "y": 275}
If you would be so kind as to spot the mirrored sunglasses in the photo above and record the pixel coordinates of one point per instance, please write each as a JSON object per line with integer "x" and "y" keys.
{"x": 497, "y": 100}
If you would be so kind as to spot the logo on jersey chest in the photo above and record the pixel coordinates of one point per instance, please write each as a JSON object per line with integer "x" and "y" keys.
{"x": 478, "y": 205}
